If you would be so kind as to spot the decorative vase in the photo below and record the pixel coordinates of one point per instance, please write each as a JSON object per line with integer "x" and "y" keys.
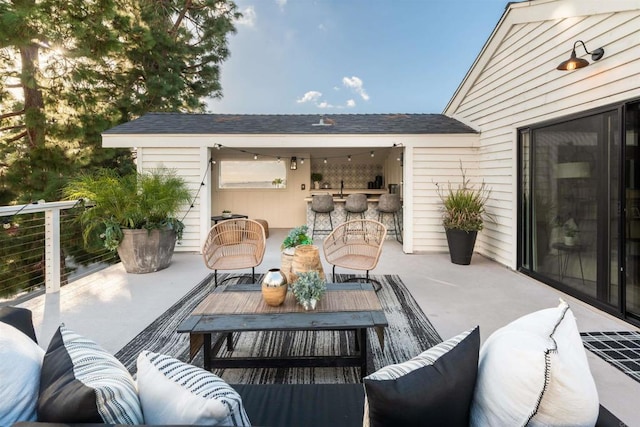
{"x": 227, "y": 214}
{"x": 310, "y": 304}
{"x": 274, "y": 287}
{"x": 286, "y": 260}
{"x": 306, "y": 258}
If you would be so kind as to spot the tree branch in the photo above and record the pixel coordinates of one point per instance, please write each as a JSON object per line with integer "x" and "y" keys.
{"x": 12, "y": 114}
{"x": 174, "y": 30}
{"x": 11, "y": 128}
{"x": 17, "y": 137}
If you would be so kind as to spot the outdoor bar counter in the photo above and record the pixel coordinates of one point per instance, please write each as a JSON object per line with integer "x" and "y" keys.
{"x": 339, "y": 214}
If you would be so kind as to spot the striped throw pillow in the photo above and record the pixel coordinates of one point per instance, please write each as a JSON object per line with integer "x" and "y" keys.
{"x": 80, "y": 382}
{"x": 434, "y": 388}
{"x": 174, "y": 392}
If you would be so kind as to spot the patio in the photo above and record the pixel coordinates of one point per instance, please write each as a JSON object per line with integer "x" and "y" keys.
{"x": 111, "y": 306}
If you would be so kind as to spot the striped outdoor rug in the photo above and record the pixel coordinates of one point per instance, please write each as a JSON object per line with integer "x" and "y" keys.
{"x": 409, "y": 333}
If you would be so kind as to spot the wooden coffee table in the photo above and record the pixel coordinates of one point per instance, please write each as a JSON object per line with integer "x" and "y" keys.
{"x": 240, "y": 308}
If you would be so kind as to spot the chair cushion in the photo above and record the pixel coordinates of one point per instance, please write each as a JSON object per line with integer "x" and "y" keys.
{"x": 20, "y": 363}
{"x": 534, "y": 371}
{"x": 82, "y": 383}
{"x": 173, "y": 392}
{"x": 434, "y": 388}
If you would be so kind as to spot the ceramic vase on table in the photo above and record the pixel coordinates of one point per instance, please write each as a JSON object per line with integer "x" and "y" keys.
{"x": 274, "y": 287}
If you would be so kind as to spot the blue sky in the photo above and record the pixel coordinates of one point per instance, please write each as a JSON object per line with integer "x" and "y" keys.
{"x": 352, "y": 56}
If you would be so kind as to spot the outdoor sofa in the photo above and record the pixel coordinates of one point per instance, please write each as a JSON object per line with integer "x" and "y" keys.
{"x": 443, "y": 378}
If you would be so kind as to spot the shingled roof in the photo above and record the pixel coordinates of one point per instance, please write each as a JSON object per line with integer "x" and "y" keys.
{"x": 179, "y": 123}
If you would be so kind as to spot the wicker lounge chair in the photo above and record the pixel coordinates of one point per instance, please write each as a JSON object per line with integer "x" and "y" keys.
{"x": 355, "y": 245}
{"x": 234, "y": 244}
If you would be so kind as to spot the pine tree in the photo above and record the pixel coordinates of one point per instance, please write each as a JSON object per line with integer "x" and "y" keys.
{"x": 70, "y": 69}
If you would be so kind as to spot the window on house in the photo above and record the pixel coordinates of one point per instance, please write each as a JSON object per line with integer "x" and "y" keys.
{"x": 252, "y": 174}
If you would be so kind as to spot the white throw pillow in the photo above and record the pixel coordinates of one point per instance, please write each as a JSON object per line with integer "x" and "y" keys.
{"x": 173, "y": 392}
{"x": 20, "y": 364}
{"x": 534, "y": 372}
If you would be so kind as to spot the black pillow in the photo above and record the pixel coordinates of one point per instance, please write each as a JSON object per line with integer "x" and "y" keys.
{"x": 19, "y": 318}
{"x": 434, "y": 388}
{"x": 82, "y": 383}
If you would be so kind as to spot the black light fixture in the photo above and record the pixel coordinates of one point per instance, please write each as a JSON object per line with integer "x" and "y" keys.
{"x": 574, "y": 62}
{"x": 293, "y": 164}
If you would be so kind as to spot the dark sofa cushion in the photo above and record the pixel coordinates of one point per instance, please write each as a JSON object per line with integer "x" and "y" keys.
{"x": 19, "y": 318}
{"x": 434, "y": 388}
{"x": 81, "y": 382}
{"x": 309, "y": 405}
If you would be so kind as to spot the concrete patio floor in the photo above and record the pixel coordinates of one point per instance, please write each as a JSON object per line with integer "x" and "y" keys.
{"x": 111, "y": 306}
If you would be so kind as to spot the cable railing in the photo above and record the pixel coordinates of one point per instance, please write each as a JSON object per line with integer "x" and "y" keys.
{"x": 41, "y": 248}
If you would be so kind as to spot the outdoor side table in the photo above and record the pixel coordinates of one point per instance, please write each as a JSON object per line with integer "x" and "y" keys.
{"x": 217, "y": 218}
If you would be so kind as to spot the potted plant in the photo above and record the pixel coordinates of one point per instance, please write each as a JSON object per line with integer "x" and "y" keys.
{"x": 277, "y": 182}
{"x": 134, "y": 214}
{"x": 316, "y": 178}
{"x": 226, "y": 214}
{"x": 297, "y": 236}
{"x": 463, "y": 216}
{"x": 308, "y": 288}
{"x": 570, "y": 230}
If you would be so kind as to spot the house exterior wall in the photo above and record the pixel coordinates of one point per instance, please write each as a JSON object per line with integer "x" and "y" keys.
{"x": 438, "y": 162}
{"x": 187, "y": 162}
{"x": 514, "y": 83}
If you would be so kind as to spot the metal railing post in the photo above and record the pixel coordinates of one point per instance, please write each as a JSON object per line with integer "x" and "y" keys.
{"x": 52, "y": 250}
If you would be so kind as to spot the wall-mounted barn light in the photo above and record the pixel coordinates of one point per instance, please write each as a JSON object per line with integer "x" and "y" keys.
{"x": 574, "y": 62}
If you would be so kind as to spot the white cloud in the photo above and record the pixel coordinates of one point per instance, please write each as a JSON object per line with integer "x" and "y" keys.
{"x": 324, "y": 104}
{"x": 312, "y": 95}
{"x": 281, "y": 3}
{"x": 355, "y": 83}
{"x": 351, "y": 103}
{"x": 248, "y": 17}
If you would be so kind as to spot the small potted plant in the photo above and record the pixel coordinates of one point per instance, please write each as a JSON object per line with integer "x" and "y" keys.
{"x": 463, "y": 216}
{"x": 296, "y": 237}
{"x": 226, "y": 214}
{"x": 316, "y": 178}
{"x": 308, "y": 288}
{"x": 277, "y": 182}
{"x": 570, "y": 229}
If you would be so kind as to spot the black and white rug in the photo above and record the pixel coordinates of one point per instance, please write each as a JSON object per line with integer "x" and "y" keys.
{"x": 408, "y": 334}
{"x": 620, "y": 349}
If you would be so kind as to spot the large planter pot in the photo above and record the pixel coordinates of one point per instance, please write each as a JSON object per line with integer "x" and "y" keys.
{"x": 461, "y": 245}
{"x": 144, "y": 251}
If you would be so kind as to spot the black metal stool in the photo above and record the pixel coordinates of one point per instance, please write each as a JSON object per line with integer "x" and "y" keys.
{"x": 321, "y": 204}
{"x": 390, "y": 204}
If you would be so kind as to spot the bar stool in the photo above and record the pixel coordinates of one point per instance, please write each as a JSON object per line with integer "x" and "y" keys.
{"x": 356, "y": 204}
{"x": 321, "y": 204}
{"x": 390, "y": 204}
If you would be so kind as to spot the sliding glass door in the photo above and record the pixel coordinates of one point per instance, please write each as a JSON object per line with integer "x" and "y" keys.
{"x": 569, "y": 208}
{"x": 632, "y": 203}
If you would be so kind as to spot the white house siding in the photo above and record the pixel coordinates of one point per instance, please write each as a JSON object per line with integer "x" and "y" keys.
{"x": 514, "y": 83}
{"x": 187, "y": 164}
{"x": 436, "y": 160}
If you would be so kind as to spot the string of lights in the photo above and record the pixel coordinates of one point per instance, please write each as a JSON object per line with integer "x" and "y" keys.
{"x": 325, "y": 159}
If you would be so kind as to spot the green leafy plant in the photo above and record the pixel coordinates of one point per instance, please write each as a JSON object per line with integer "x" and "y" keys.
{"x": 148, "y": 200}
{"x": 570, "y": 228}
{"x": 316, "y": 177}
{"x": 308, "y": 286}
{"x": 277, "y": 182}
{"x": 464, "y": 205}
{"x": 296, "y": 237}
